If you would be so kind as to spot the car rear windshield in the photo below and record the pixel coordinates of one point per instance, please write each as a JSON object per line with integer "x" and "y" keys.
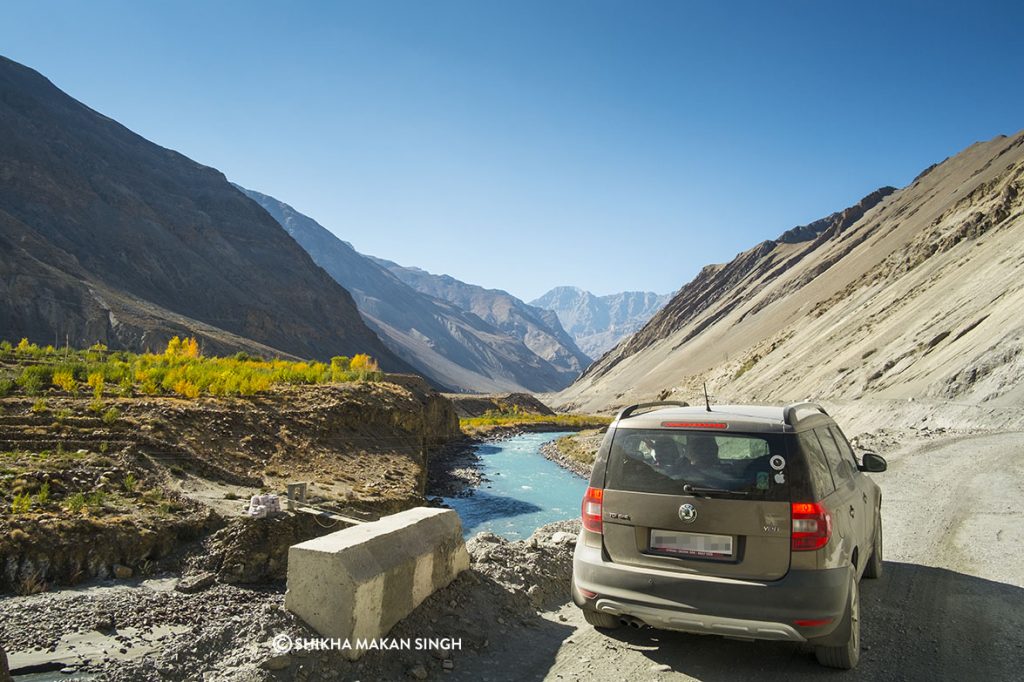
{"x": 664, "y": 460}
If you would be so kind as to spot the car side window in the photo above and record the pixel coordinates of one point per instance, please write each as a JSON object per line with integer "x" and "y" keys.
{"x": 844, "y": 447}
{"x": 817, "y": 467}
{"x": 841, "y": 471}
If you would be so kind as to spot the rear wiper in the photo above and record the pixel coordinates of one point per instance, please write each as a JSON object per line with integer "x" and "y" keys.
{"x": 697, "y": 490}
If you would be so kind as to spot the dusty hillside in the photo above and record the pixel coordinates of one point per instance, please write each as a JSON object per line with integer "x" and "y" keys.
{"x": 915, "y": 294}
{"x": 105, "y": 236}
{"x": 456, "y": 348}
{"x": 535, "y": 328}
{"x": 135, "y": 482}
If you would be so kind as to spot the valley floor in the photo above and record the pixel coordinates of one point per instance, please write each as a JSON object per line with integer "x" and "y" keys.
{"x": 950, "y": 604}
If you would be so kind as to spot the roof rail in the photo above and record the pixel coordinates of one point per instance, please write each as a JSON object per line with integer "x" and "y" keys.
{"x": 628, "y": 412}
{"x": 789, "y": 412}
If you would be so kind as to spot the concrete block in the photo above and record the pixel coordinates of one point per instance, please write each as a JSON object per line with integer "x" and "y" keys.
{"x": 357, "y": 583}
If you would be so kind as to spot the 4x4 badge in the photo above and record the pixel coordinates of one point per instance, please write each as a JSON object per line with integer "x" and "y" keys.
{"x": 688, "y": 513}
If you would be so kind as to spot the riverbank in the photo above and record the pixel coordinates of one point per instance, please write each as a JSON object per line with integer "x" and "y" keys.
{"x": 148, "y": 630}
{"x": 454, "y": 470}
{"x": 575, "y": 452}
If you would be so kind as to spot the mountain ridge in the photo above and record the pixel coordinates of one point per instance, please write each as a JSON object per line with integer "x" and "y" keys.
{"x": 454, "y": 347}
{"x": 109, "y": 237}
{"x": 538, "y": 329}
{"x": 598, "y": 323}
{"x": 909, "y": 294}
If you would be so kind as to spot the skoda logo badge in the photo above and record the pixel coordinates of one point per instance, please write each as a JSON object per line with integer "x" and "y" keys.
{"x": 688, "y": 513}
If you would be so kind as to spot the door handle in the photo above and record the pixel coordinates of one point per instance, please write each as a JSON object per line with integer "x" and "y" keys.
{"x": 852, "y": 512}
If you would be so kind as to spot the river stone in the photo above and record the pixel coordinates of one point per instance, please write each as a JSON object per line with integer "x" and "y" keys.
{"x": 279, "y": 662}
{"x": 122, "y": 572}
{"x": 104, "y": 622}
{"x": 563, "y": 538}
{"x": 196, "y": 582}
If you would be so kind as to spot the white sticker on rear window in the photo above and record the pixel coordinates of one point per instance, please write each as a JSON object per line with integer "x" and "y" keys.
{"x": 778, "y": 462}
{"x": 780, "y": 478}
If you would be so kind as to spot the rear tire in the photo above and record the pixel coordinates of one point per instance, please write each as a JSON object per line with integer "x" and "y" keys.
{"x": 605, "y": 621}
{"x": 873, "y": 569}
{"x": 845, "y": 656}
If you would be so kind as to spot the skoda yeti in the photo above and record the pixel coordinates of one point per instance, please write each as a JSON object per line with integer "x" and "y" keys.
{"x": 750, "y": 522}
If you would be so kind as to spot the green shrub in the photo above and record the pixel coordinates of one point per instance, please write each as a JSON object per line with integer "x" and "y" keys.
{"x": 39, "y": 406}
{"x": 6, "y": 386}
{"x": 130, "y": 483}
{"x": 43, "y": 495}
{"x": 75, "y": 503}
{"x": 35, "y": 378}
{"x": 111, "y": 415}
{"x": 21, "y": 504}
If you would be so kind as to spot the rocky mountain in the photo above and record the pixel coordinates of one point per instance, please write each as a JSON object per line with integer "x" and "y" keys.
{"x": 597, "y": 323}
{"x": 455, "y": 348}
{"x": 105, "y": 236}
{"x": 913, "y": 294}
{"x": 537, "y": 328}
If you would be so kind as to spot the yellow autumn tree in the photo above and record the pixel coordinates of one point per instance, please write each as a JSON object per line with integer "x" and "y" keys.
{"x": 182, "y": 348}
{"x": 96, "y": 382}
{"x": 65, "y": 380}
{"x": 173, "y": 347}
{"x": 364, "y": 363}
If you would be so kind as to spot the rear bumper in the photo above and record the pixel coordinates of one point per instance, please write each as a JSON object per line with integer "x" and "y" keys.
{"x": 707, "y": 605}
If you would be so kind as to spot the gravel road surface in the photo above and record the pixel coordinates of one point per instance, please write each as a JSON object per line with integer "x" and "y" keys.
{"x": 950, "y": 604}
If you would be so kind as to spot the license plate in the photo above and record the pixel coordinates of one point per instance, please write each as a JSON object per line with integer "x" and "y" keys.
{"x": 691, "y": 544}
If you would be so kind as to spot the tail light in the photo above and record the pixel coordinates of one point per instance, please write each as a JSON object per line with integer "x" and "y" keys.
{"x": 593, "y": 509}
{"x": 812, "y": 526}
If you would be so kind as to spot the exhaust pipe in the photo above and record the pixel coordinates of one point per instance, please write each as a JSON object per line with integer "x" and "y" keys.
{"x": 632, "y": 622}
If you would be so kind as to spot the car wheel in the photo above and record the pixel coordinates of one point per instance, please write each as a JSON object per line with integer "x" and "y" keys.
{"x": 873, "y": 569}
{"x": 846, "y": 655}
{"x": 605, "y": 621}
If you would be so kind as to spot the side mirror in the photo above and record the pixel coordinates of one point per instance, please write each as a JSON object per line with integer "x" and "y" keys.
{"x": 873, "y": 463}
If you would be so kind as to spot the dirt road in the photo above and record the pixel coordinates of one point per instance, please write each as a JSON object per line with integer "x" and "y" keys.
{"x": 950, "y": 604}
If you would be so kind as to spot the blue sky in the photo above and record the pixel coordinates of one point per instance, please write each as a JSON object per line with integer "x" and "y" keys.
{"x": 522, "y": 145}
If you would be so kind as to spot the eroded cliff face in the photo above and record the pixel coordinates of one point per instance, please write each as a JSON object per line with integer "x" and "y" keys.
{"x": 142, "y": 490}
{"x": 908, "y": 294}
